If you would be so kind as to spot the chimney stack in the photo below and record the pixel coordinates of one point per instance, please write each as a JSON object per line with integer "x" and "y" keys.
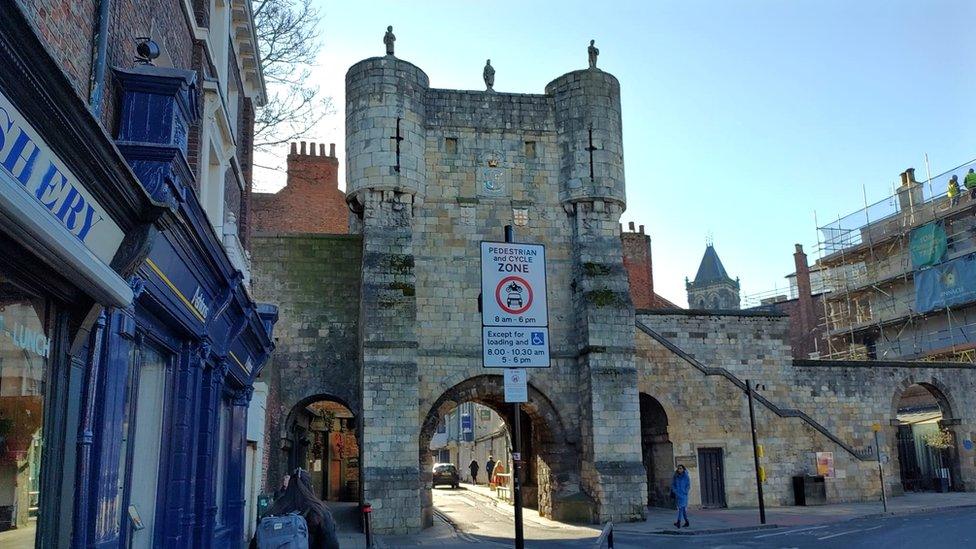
{"x": 331, "y": 150}
{"x": 641, "y": 229}
{"x": 804, "y": 289}
{"x": 630, "y": 226}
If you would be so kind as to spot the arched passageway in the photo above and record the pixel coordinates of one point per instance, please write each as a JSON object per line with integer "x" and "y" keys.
{"x": 322, "y": 438}
{"x": 928, "y": 457}
{"x": 549, "y": 468}
{"x": 657, "y": 451}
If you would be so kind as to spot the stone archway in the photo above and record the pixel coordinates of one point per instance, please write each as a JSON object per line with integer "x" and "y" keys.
{"x": 320, "y": 434}
{"x": 551, "y": 474}
{"x": 922, "y": 411}
{"x": 657, "y": 451}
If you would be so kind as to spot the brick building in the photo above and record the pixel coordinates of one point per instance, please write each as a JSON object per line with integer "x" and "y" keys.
{"x": 640, "y": 270}
{"x": 129, "y": 137}
{"x": 310, "y": 202}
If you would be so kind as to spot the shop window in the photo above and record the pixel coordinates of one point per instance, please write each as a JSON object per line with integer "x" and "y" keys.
{"x": 24, "y": 349}
{"x": 147, "y": 391}
{"x": 223, "y": 433}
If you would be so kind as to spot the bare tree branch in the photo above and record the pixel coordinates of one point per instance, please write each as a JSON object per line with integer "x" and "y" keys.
{"x": 287, "y": 33}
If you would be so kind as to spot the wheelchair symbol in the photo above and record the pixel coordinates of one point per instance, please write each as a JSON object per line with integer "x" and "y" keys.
{"x": 538, "y": 338}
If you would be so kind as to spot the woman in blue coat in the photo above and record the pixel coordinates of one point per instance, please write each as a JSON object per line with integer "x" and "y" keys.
{"x": 680, "y": 486}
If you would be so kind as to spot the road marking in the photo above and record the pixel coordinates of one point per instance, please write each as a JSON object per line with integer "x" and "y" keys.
{"x": 849, "y": 532}
{"x": 791, "y": 532}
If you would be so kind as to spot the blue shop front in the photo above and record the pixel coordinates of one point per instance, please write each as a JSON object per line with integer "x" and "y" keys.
{"x": 185, "y": 354}
{"x": 128, "y": 341}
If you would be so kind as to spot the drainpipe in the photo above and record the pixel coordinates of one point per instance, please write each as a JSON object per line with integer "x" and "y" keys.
{"x": 86, "y": 433}
{"x": 97, "y": 85}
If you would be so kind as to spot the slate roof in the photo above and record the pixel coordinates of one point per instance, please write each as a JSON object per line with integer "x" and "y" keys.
{"x": 711, "y": 269}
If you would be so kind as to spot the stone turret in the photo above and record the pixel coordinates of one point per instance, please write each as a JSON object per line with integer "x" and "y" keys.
{"x": 385, "y": 180}
{"x": 592, "y": 193}
{"x": 385, "y": 129}
{"x": 588, "y": 121}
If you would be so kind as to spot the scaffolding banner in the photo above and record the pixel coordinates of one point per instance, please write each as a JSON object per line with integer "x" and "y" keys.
{"x": 947, "y": 285}
{"x": 928, "y": 245}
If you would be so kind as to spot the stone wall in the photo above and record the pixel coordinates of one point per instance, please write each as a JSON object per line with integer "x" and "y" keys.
{"x": 695, "y": 369}
{"x": 315, "y": 282}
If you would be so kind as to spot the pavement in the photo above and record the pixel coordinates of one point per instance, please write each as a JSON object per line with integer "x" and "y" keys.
{"x": 473, "y": 515}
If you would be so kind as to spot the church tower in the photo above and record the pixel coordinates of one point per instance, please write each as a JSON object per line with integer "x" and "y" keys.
{"x": 712, "y": 289}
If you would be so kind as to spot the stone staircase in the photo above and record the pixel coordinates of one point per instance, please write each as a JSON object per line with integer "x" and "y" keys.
{"x": 859, "y": 454}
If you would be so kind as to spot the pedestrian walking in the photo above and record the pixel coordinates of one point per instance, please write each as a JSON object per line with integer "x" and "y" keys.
{"x": 680, "y": 486}
{"x": 473, "y": 467}
{"x": 490, "y": 467}
{"x": 300, "y": 498}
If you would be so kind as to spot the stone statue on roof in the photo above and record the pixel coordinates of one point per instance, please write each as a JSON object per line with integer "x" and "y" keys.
{"x": 489, "y": 75}
{"x": 593, "y": 52}
{"x": 389, "y": 39}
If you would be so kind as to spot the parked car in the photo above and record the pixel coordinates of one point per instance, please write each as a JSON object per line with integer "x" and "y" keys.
{"x": 446, "y": 473}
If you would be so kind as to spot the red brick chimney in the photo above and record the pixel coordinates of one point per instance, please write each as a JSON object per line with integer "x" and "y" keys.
{"x": 806, "y": 315}
{"x": 637, "y": 261}
{"x": 311, "y": 201}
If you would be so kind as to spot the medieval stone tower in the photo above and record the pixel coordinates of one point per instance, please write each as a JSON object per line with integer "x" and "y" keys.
{"x": 431, "y": 173}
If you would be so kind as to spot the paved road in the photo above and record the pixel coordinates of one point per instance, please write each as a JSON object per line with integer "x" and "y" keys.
{"x": 480, "y": 522}
{"x": 483, "y": 524}
{"x": 946, "y": 529}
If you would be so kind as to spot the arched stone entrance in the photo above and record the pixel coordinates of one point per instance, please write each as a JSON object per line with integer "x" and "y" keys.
{"x": 550, "y": 475}
{"x": 321, "y": 436}
{"x": 927, "y": 444}
{"x": 657, "y": 451}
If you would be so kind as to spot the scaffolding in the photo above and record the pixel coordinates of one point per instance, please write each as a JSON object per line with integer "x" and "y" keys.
{"x": 870, "y": 311}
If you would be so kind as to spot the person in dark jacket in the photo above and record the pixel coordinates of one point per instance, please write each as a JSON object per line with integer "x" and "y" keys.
{"x": 299, "y": 497}
{"x": 473, "y": 467}
{"x": 680, "y": 486}
{"x": 489, "y": 467}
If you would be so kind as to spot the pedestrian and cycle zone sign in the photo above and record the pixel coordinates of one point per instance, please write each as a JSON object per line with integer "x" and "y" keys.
{"x": 515, "y": 311}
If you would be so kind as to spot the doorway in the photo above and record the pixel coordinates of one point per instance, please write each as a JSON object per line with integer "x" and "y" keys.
{"x": 657, "y": 451}
{"x": 711, "y": 467}
{"x": 927, "y": 456}
{"x": 324, "y": 443}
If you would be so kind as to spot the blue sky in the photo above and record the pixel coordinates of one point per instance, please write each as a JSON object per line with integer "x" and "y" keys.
{"x": 741, "y": 118}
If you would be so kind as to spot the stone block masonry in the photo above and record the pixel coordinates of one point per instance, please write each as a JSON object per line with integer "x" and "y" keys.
{"x": 315, "y": 281}
{"x": 394, "y": 327}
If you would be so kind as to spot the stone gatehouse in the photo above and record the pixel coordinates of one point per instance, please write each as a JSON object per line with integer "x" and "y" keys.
{"x": 385, "y": 320}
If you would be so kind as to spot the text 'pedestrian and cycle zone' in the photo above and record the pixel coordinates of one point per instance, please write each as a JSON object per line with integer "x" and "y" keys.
{"x": 515, "y": 316}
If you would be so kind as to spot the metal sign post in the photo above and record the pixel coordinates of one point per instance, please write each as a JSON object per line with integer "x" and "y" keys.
{"x": 514, "y": 331}
{"x": 517, "y": 450}
{"x": 877, "y": 449}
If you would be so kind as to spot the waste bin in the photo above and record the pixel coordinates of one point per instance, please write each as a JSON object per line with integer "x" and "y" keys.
{"x": 810, "y": 490}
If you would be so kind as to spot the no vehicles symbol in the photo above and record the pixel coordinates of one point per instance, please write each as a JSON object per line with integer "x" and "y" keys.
{"x": 514, "y": 295}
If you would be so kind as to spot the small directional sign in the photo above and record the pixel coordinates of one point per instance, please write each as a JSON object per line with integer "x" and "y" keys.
{"x": 516, "y": 389}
